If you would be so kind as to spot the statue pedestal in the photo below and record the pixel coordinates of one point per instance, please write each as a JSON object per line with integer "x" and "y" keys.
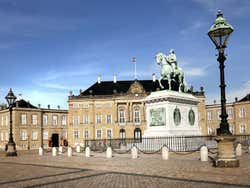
{"x": 171, "y": 113}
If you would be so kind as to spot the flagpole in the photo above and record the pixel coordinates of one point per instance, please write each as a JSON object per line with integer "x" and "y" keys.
{"x": 135, "y": 72}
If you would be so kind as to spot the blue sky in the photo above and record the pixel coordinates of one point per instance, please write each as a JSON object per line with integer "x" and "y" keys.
{"x": 50, "y": 47}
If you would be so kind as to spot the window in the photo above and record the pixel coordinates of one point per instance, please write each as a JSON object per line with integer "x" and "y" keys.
{"x": 98, "y": 105}
{"x": 218, "y": 114}
{"x": 109, "y": 133}
{"x": 136, "y": 115}
{"x": 243, "y": 128}
{"x": 23, "y": 119}
{"x": 45, "y": 135}
{"x": 6, "y": 120}
{"x": 209, "y": 115}
{"x": 76, "y": 120}
{"x": 86, "y": 134}
{"x": 230, "y": 113}
{"x": 76, "y": 105}
{"x": 98, "y": 133}
{"x": 85, "y": 119}
{"x": 98, "y": 118}
{"x": 231, "y": 128}
{"x": 2, "y": 120}
{"x": 54, "y": 120}
{"x": 64, "y": 121}
{"x": 109, "y": 118}
{"x": 45, "y": 120}
{"x": 137, "y": 133}
{"x": 122, "y": 134}
{"x": 209, "y": 131}
{"x": 242, "y": 112}
{"x": 34, "y": 135}
{"x": 23, "y": 135}
{"x": 34, "y": 119}
{"x": 6, "y": 136}
{"x": 121, "y": 116}
{"x": 76, "y": 134}
{"x": 109, "y": 105}
{"x": 85, "y": 106}
{"x": 2, "y": 136}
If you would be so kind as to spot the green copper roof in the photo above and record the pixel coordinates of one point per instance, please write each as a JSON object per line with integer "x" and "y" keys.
{"x": 220, "y": 26}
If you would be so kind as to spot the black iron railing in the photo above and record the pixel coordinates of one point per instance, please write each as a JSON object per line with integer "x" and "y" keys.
{"x": 173, "y": 143}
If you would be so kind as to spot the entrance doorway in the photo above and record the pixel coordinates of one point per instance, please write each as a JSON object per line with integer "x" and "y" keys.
{"x": 55, "y": 140}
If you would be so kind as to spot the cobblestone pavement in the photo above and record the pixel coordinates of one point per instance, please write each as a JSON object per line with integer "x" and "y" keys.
{"x": 31, "y": 170}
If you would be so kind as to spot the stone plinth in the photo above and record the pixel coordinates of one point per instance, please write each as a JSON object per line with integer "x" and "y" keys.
{"x": 164, "y": 153}
{"x": 171, "y": 113}
{"x": 69, "y": 151}
{"x": 87, "y": 152}
{"x": 204, "y": 153}
{"x": 226, "y": 154}
{"x": 134, "y": 153}
{"x": 40, "y": 151}
{"x": 109, "y": 152}
{"x": 53, "y": 151}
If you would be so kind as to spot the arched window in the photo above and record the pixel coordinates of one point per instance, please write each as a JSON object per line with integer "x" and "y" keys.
{"x": 122, "y": 134}
{"x": 121, "y": 116}
{"x": 137, "y": 134}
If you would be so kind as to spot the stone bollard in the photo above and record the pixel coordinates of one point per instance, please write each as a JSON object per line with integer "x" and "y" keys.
{"x": 87, "y": 152}
{"x": 249, "y": 150}
{"x": 40, "y": 151}
{"x": 60, "y": 150}
{"x": 78, "y": 148}
{"x": 109, "y": 152}
{"x": 204, "y": 153}
{"x": 69, "y": 151}
{"x": 164, "y": 153}
{"x": 238, "y": 150}
{"x": 54, "y": 151}
{"x": 134, "y": 152}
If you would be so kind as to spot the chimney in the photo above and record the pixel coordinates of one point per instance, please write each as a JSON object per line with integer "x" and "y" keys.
{"x": 202, "y": 89}
{"x": 115, "y": 78}
{"x": 17, "y": 104}
{"x": 58, "y": 107}
{"x": 28, "y": 103}
{"x": 39, "y": 105}
{"x": 214, "y": 101}
{"x": 153, "y": 77}
{"x": 99, "y": 79}
{"x": 48, "y": 106}
{"x": 236, "y": 99}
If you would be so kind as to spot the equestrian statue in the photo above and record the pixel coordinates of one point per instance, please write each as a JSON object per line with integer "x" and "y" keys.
{"x": 171, "y": 71}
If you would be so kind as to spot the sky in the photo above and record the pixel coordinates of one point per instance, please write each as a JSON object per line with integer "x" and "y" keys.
{"x": 48, "y": 48}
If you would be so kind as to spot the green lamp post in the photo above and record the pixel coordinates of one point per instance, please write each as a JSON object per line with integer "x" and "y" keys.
{"x": 11, "y": 146}
{"x": 219, "y": 33}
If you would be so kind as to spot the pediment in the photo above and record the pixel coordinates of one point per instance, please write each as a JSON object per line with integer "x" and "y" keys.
{"x": 136, "y": 88}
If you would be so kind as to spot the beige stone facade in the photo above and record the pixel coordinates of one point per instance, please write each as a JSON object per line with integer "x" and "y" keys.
{"x": 33, "y": 127}
{"x": 238, "y": 117}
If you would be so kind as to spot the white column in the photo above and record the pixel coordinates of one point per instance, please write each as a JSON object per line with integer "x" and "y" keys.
{"x": 109, "y": 152}
{"x": 69, "y": 151}
{"x": 40, "y": 151}
{"x": 204, "y": 153}
{"x": 134, "y": 152}
{"x": 164, "y": 153}
{"x": 53, "y": 151}
{"x": 87, "y": 152}
{"x": 238, "y": 150}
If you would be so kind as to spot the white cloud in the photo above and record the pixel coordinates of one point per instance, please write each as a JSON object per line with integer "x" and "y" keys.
{"x": 239, "y": 92}
{"x": 195, "y": 71}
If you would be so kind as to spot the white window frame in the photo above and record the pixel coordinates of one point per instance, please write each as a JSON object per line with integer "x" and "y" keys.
{"x": 23, "y": 119}
{"x": 107, "y": 133}
{"x": 76, "y": 105}
{"x": 34, "y": 119}
{"x": 55, "y": 120}
{"x": 243, "y": 128}
{"x": 23, "y": 135}
{"x": 136, "y": 115}
{"x": 209, "y": 115}
{"x": 76, "y": 134}
{"x": 7, "y": 120}
{"x": 34, "y": 135}
{"x": 122, "y": 116}
{"x": 109, "y": 118}
{"x": 218, "y": 114}
{"x": 230, "y": 113}
{"x": 86, "y": 134}
{"x": 2, "y": 121}
{"x": 64, "y": 120}
{"x": 242, "y": 112}
{"x": 76, "y": 120}
{"x": 232, "y": 128}
{"x": 98, "y": 118}
{"x": 45, "y": 135}
{"x": 85, "y": 106}
{"x": 97, "y": 133}
{"x": 85, "y": 119}
{"x": 45, "y": 120}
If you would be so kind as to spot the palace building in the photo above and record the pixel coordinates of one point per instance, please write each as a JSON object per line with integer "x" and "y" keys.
{"x": 114, "y": 109}
{"x": 33, "y": 126}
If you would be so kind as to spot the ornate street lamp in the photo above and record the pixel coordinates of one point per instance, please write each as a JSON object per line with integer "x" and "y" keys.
{"x": 11, "y": 146}
{"x": 219, "y": 34}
